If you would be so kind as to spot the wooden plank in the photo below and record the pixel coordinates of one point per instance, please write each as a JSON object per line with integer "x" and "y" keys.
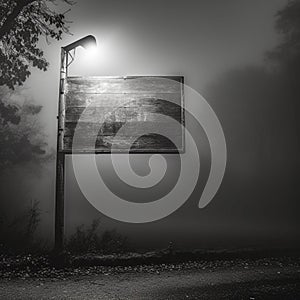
{"x": 111, "y": 128}
{"x": 117, "y": 100}
{"x": 148, "y": 142}
{"x": 122, "y": 114}
{"x": 130, "y": 85}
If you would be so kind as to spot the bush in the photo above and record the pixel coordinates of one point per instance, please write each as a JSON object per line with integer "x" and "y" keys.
{"x": 18, "y": 236}
{"x": 88, "y": 240}
{"x": 84, "y": 240}
{"x": 113, "y": 242}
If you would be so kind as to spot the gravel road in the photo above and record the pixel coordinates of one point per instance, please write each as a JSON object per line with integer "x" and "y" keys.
{"x": 243, "y": 281}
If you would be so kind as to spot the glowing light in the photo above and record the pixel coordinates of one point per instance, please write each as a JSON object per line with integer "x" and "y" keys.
{"x": 91, "y": 51}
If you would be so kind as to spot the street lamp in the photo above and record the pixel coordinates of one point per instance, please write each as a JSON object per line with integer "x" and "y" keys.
{"x": 86, "y": 42}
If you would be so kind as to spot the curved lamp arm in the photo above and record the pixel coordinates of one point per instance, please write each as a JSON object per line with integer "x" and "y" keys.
{"x": 84, "y": 42}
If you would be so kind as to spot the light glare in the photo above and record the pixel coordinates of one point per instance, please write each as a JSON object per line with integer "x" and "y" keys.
{"x": 91, "y": 51}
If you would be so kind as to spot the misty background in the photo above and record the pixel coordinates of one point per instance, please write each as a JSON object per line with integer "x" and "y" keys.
{"x": 225, "y": 50}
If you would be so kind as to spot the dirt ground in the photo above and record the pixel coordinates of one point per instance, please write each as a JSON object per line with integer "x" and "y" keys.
{"x": 242, "y": 281}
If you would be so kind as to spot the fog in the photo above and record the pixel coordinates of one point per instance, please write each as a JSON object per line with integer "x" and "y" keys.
{"x": 219, "y": 47}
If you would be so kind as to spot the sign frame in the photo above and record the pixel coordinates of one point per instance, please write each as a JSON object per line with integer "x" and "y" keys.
{"x": 178, "y": 78}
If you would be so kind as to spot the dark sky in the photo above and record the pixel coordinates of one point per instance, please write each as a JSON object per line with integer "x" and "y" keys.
{"x": 201, "y": 40}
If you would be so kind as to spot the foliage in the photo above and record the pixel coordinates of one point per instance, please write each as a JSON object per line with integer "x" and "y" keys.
{"x": 33, "y": 217}
{"x": 84, "y": 240}
{"x": 22, "y": 22}
{"x": 113, "y": 242}
{"x": 18, "y": 235}
{"x": 288, "y": 26}
{"x": 287, "y": 53}
{"x": 20, "y": 132}
{"x": 88, "y": 240}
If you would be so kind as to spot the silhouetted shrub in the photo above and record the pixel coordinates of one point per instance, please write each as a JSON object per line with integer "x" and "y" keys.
{"x": 88, "y": 240}
{"x": 18, "y": 236}
{"x": 84, "y": 239}
{"x": 113, "y": 242}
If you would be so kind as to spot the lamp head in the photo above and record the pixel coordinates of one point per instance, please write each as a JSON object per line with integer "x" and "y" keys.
{"x": 86, "y": 42}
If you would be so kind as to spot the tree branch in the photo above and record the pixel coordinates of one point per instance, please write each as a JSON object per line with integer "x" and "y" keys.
{"x": 6, "y": 26}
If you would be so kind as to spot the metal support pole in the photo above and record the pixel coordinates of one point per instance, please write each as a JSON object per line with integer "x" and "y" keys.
{"x": 60, "y": 159}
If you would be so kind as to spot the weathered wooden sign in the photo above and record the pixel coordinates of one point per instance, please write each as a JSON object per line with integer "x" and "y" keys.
{"x": 133, "y": 101}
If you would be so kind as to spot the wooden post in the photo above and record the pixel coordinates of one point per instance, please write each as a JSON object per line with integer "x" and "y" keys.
{"x": 60, "y": 159}
{"x": 59, "y": 202}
